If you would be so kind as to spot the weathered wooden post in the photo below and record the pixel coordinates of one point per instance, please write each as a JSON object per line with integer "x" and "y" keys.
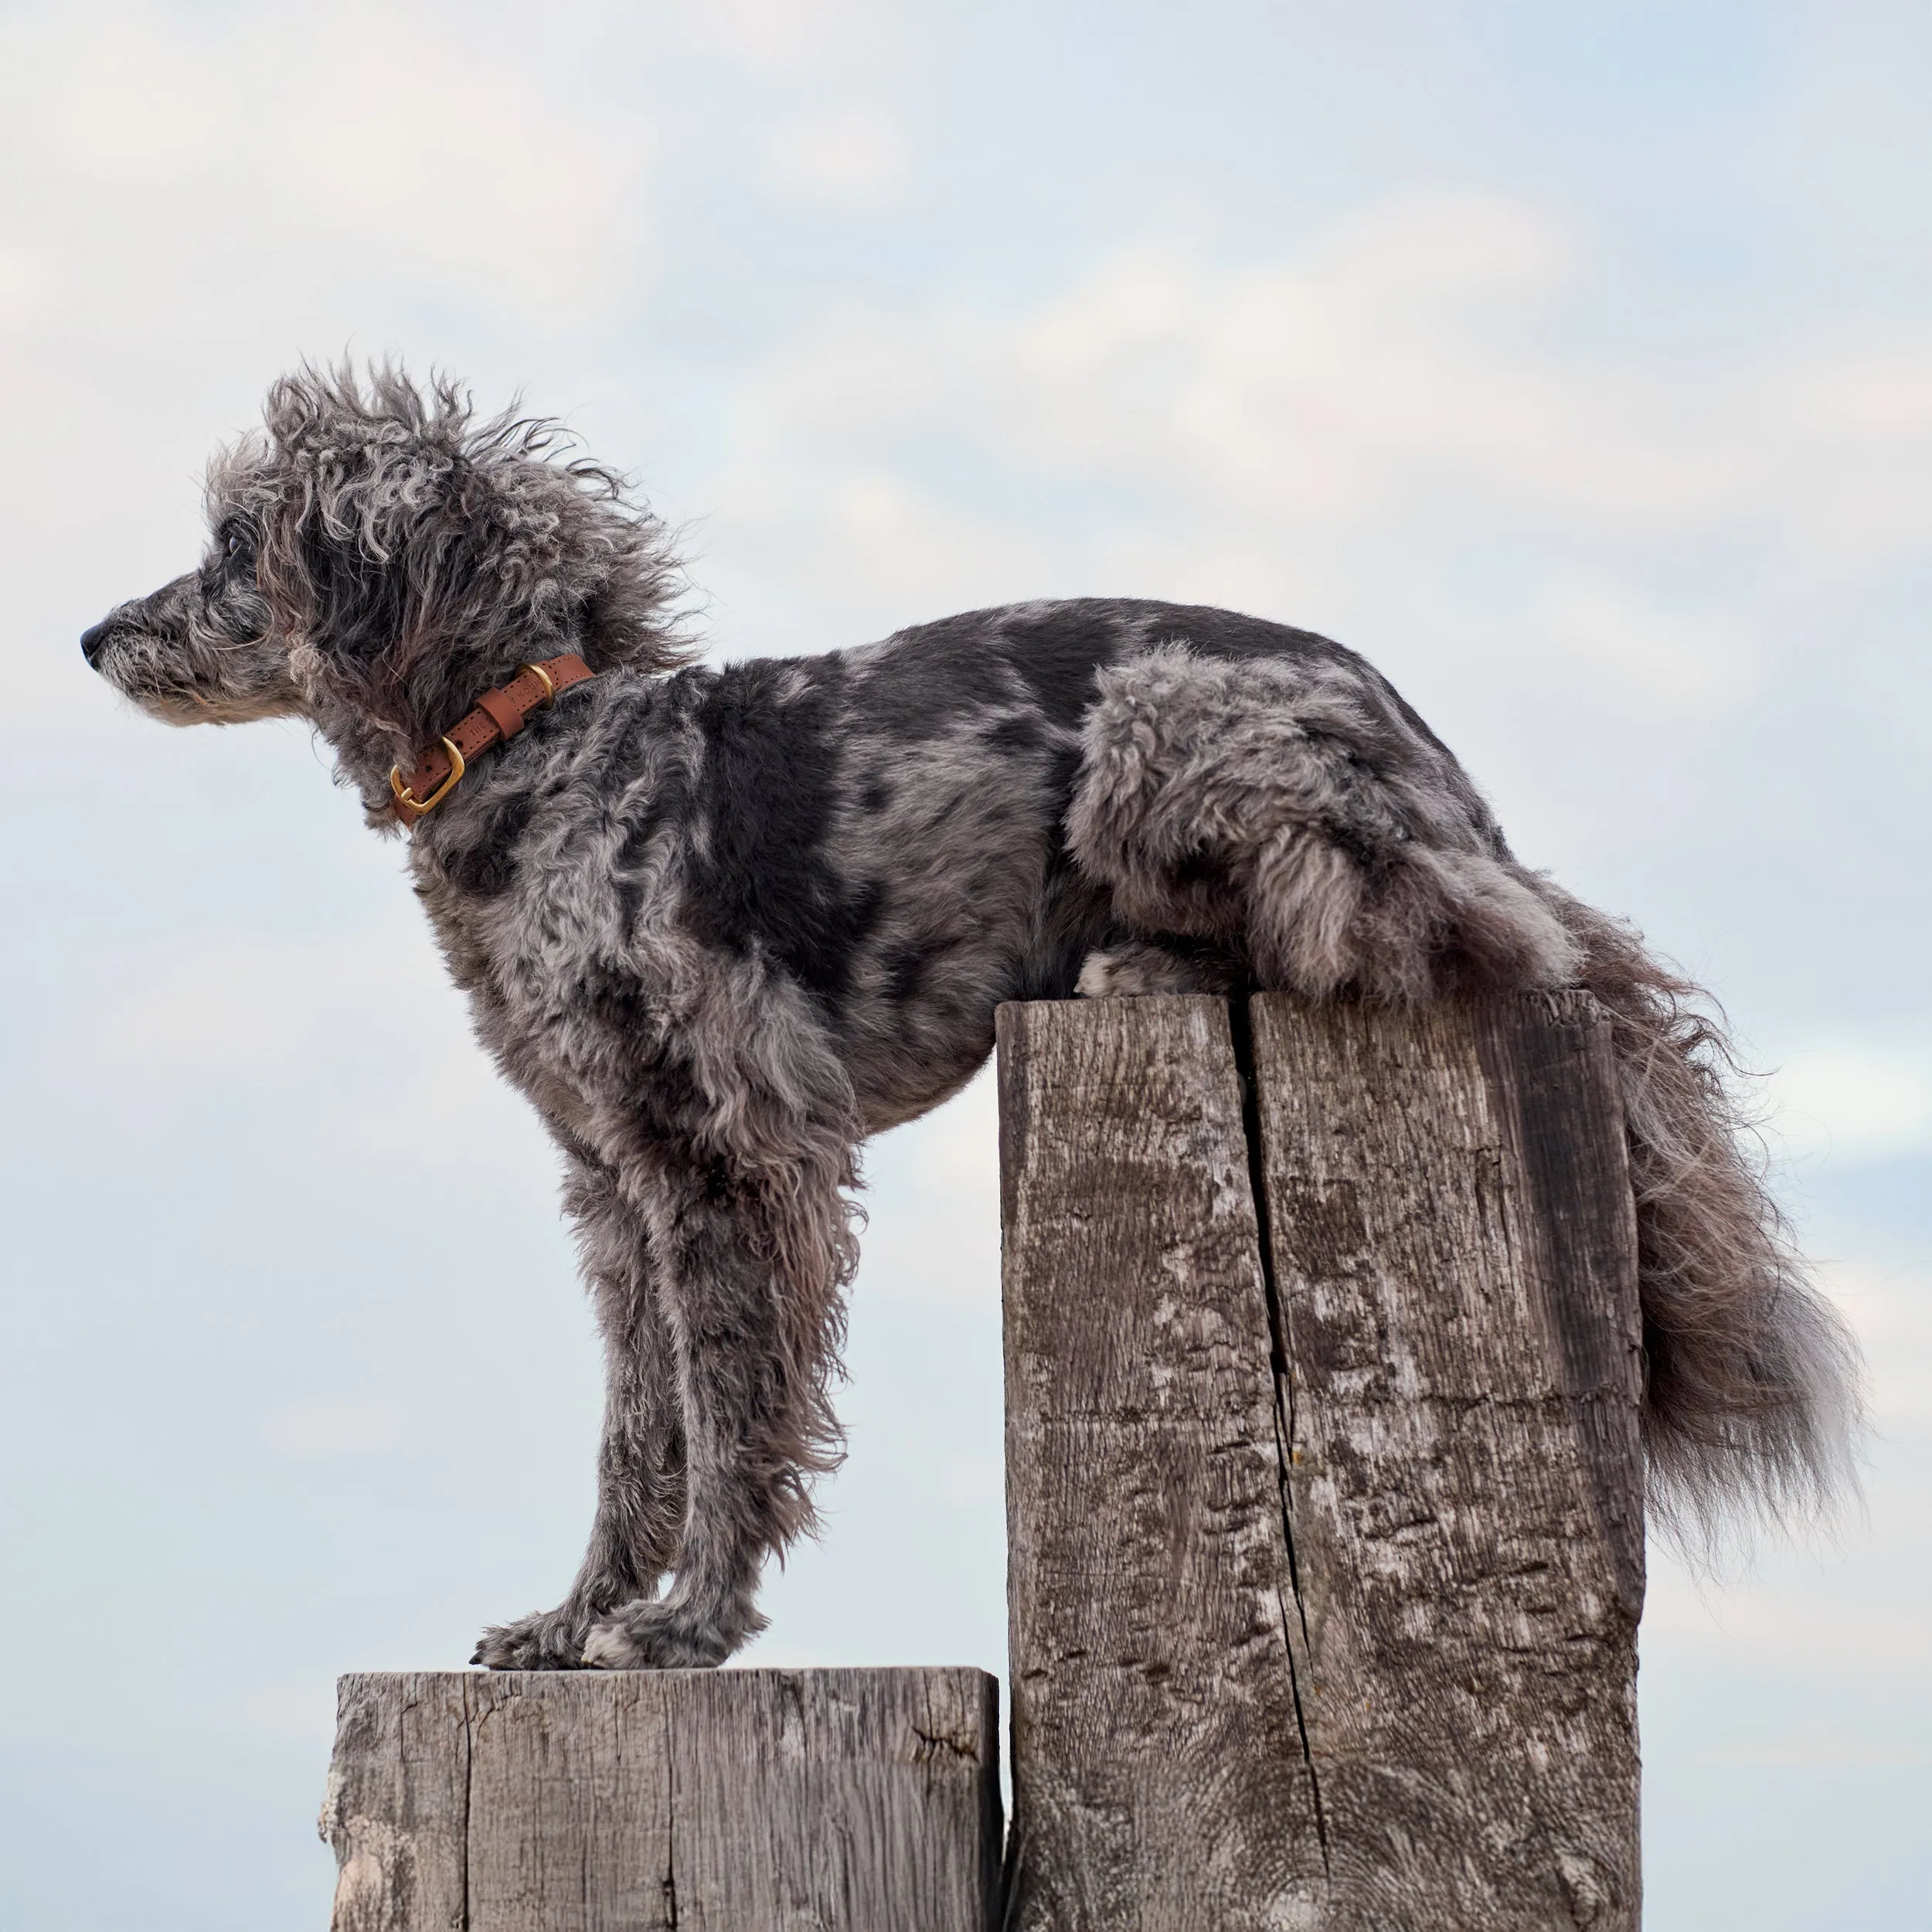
{"x": 1323, "y": 1488}
{"x": 713, "y": 1802}
{"x": 1326, "y": 1544}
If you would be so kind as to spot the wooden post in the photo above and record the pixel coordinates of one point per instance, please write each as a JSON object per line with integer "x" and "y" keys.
{"x": 1324, "y": 1487}
{"x": 728, "y": 1800}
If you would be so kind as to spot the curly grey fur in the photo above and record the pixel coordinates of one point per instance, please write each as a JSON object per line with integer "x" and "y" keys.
{"x": 720, "y": 926}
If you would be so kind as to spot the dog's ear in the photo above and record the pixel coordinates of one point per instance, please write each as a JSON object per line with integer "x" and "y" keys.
{"x": 363, "y": 534}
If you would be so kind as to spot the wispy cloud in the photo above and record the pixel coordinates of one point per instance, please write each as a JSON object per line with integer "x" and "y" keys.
{"x": 200, "y": 174}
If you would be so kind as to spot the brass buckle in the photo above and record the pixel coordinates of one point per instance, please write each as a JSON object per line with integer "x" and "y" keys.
{"x": 549, "y": 689}
{"x": 419, "y": 806}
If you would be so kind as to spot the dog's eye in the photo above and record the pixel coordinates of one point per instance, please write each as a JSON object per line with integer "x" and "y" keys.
{"x": 234, "y": 544}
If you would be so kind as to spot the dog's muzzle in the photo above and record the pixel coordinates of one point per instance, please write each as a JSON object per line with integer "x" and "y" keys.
{"x": 94, "y": 638}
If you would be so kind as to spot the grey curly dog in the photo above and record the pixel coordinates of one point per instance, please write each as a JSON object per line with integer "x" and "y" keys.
{"x": 721, "y": 925}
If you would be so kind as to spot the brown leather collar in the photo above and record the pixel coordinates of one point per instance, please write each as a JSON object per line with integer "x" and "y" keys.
{"x": 499, "y": 715}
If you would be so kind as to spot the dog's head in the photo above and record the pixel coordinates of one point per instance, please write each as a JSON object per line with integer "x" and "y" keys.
{"x": 378, "y": 558}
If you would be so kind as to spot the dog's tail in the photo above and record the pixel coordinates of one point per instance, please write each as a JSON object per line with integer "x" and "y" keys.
{"x": 1754, "y": 1394}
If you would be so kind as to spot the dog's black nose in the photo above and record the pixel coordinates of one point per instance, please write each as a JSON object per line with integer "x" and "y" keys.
{"x": 94, "y": 637}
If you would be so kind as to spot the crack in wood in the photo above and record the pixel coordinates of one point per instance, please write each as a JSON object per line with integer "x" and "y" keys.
{"x": 469, "y": 1772}
{"x": 1240, "y": 1028}
{"x": 934, "y": 1744}
{"x": 670, "y": 1841}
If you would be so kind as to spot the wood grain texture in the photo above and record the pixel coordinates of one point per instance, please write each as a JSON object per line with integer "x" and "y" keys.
{"x": 1454, "y": 1260}
{"x": 1325, "y": 1521}
{"x": 397, "y": 1805}
{"x": 1158, "y": 1777}
{"x": 727, "y": 1801}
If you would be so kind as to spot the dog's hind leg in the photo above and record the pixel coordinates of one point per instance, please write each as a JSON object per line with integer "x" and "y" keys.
{"x": 640, "y": 1488}
{"x": 1296, "y": 815}
{"x": 1133, "y": 968}
{"x": 751, "y": 1267}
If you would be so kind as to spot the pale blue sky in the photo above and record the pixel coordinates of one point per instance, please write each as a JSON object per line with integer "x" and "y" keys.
{"x": 1573, "y": 361}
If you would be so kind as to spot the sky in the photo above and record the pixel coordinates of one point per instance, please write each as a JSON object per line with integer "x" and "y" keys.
{"x": 1571, "y": 361}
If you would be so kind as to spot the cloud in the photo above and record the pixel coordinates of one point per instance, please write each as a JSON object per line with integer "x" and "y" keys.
{"x": 1413, "y": 377}
{"x": 1316, "y": 393}
{"x": 1852, "y": 1104}
{"x": 1880, "y": 399}
{"x": 205, "y": 170}
{"x": 1615, "y": 627}
{"x": 1321, "y": 392}
{"x": 1765, "y": 1624}
{"x": 775, "y": 33}
{"x": 918, "y": 543}
{"x": 850, "y": 159}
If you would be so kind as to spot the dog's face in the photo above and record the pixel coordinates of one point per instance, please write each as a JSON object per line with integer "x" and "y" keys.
{"x": 378, "y": 559}
{"x": 204, "y": 649}
{"x": 340, "y": 539}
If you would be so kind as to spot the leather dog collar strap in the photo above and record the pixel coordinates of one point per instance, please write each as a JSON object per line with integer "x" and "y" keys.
{"x": 499, "y": 716}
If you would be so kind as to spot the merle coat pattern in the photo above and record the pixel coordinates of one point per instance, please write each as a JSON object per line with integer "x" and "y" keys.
{"x": 720, "y": 926}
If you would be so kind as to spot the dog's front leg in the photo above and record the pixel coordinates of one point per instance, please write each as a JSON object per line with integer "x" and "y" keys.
{"x": 640, "y": 1499}
{"x": 750, "y": 1268}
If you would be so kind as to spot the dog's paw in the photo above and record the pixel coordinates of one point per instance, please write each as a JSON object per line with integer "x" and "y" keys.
{"x": 548, "y": 1640}
{"x": 665, "y": 1636}
{"x": 1136, "y": 971}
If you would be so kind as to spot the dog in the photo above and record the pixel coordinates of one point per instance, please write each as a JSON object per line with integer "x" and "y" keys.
{"x": 721, "y": 925}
